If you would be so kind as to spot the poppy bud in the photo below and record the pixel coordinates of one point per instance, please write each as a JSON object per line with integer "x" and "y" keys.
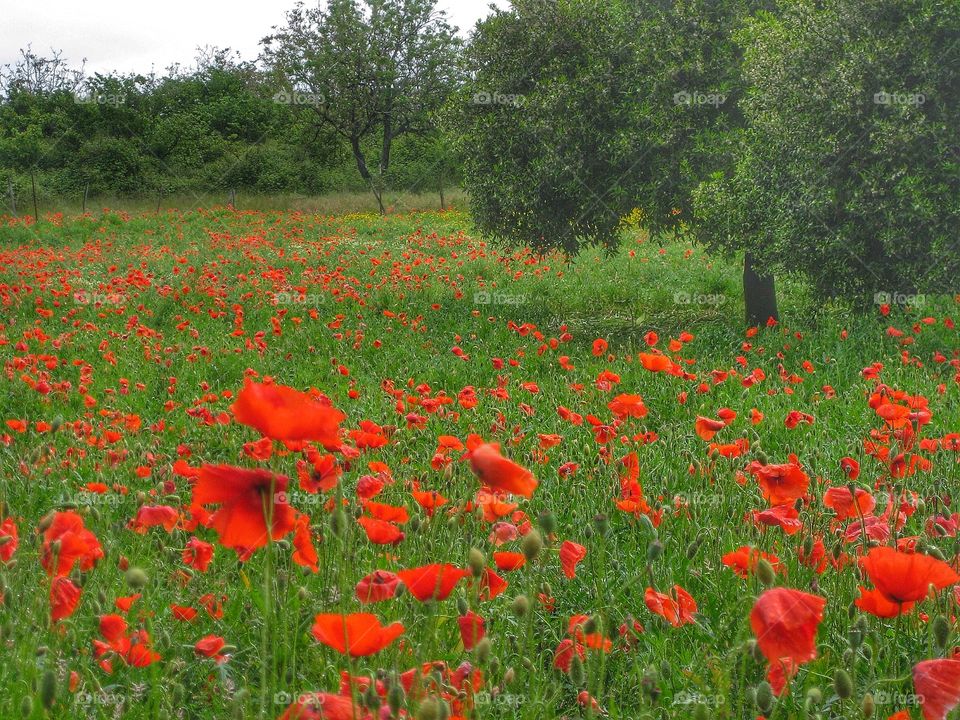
{"x": 867, "y": 652}
{"x": 700, "y": 712}
{"x": 371, "y": 699}
{"x": 855, "y": 637}
{"x": 814, "y": 697}
{"x": 56, "y": 424}
{"x": 531, "y": 545}
{"x": 693, "y": 548}
{"x": 546, "y": 589}
{"x": 521, "y": 605}
{"x": 527, "y": 664}
{"x": 476, "y": 561}
{"x": 756, "y": 651}
{"x": 548, "y": 523}
{"x": 602, "y": 523}
{"x": 414, "y": 524}
{"x": 303, "y": 593}
{"x": 588, "y": 531}
{"x": 868, "y": 705}
{"x": 764, "y": 698}
{"x": 654, "y": 551}
{"x": 578, "y": 674}
{"x": 48, "y": 689}
{"x": 936, "y": 552}
{"x": 338, "y": 522}
{"x": 766, "y": 573}
{"x": 45, "y": 522}
{"x": 591, "y": 625}
{"x": 482, "y": 650}
{"x": 842, "y": 684}
{"x": 429, "y": 709}
{"x": 849, "y": 656}
{"x": 136, "y": 577}
{"x": 808, "y": 545}
{"x": 509, "y": 676}
{"x": 395, "y": 698}
{"x": 462, "y": 606}
{"x": 761, "y": 456}
{"x": 941, "y": 631}
{"x": 648, "y": 524}
{"x": 494, "y": 665}
{"x": 26, "y": 706}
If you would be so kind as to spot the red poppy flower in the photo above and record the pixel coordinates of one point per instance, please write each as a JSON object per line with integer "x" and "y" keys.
{"x": 283, "y": 413}
{"x": 183, "y": 613}
{"x": 64, "y": 598}
{"x": 842, "y": 502}
{"x": 380, "y": 532}
{"x": 377, "y": 586}
{"x": 785, "y": 623}
{"x": 937, "y": 683}
{"x": 571, "y": 554}
{"x": 246, "y": 498}
{"x": 356, "y": 634}
{"x": 509, "y": 560}
{"x": 432, "y": 581}
{"x": 198, "y": 554}
{"x": 74, "y": 544}
{"x": 563, "y": 655}
{"x": 677, "y": 610}
{"x": 209, "y": 646}
{"x": 472, "y": 629}
{"x": 901, "y": 579}
{"x": 625, "y": 405}
{"x": 780, "y": 484}
{"x": 498, "y": 473}
{"x": 708, "y": 427}
{"x": 9, "y": 539}
{"x": 743, "y": 560}
{"x": 304, "y": 553}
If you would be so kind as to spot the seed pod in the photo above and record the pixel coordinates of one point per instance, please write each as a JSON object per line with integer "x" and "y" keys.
{"x": 764, "y": 697}
{"x": 48, "y": 689}
{"x": 429, "y": 709}
{"x": 521, "y": 605}
{"x": 868, "y": 706}
{"x": 548, "y": 523}
{"x": 26, "y": 706}
{"x": 137, "y": 577}
{"x": 941, "y": 631}
{"x": 578, "y": 674}
{"x": 531, "y": 545}
{"x": 766, "y": 573}
{"x": 842, "y": 684}
{"x": 654, "y": 551}
{"x": 476, "y": 561}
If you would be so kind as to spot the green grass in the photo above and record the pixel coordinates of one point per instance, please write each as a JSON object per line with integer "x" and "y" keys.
{"x": 149, "y": 303}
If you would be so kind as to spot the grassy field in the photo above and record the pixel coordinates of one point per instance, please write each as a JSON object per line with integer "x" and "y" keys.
{"x": 126, "y": 340}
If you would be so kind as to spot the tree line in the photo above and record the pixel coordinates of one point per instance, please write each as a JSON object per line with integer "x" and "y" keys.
{"x": 812, "y": 136}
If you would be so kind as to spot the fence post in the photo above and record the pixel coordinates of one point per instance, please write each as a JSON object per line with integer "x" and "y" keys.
{"x": 36, "y": 210}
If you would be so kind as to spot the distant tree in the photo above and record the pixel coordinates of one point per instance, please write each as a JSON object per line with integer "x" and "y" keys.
{"x": 848, "y": 169}
{"x": 370, "y": 70}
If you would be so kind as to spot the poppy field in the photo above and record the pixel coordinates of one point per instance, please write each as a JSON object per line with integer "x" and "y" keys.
{"x": 278, "y": 465}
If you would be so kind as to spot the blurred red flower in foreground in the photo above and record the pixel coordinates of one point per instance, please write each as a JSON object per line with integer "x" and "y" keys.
{"x": 785, "y": 622}
{"x": 357, "y": 634}
{"x": 283, "y": 413}
{"x": 246, "y": 498}
{"x": 498, "y": 473}
{"x": 937, "y": 683}
{"x": 434, "y": 582}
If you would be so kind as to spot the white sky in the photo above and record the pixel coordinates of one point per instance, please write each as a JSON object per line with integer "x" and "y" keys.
{"x": 137, "y": 35}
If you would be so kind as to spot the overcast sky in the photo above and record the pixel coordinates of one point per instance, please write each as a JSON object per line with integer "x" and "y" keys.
{"x": 135, "y": 36}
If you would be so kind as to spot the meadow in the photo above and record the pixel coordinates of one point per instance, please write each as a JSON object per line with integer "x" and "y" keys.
{"x": 500, "y": 484}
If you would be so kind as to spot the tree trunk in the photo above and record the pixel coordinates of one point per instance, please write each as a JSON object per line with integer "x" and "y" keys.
{"x": 365, "y": 173}
{"x": 759, "y": 294}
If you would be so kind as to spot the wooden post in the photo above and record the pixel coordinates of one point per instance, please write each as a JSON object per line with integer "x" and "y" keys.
{"x": 232, "y": 202}
{"x": 36, "y": 210}
{"x": 86, "y": 189}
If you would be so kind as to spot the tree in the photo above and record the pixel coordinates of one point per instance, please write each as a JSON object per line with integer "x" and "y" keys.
{"x": 372, "y": 71}
{"x": 848, "y": 169}
{"x": 579, "y": 111}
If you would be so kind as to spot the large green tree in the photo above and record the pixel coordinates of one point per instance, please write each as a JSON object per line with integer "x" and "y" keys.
{"x": 848, "y": 168}
{"x": 371, "y": 71}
